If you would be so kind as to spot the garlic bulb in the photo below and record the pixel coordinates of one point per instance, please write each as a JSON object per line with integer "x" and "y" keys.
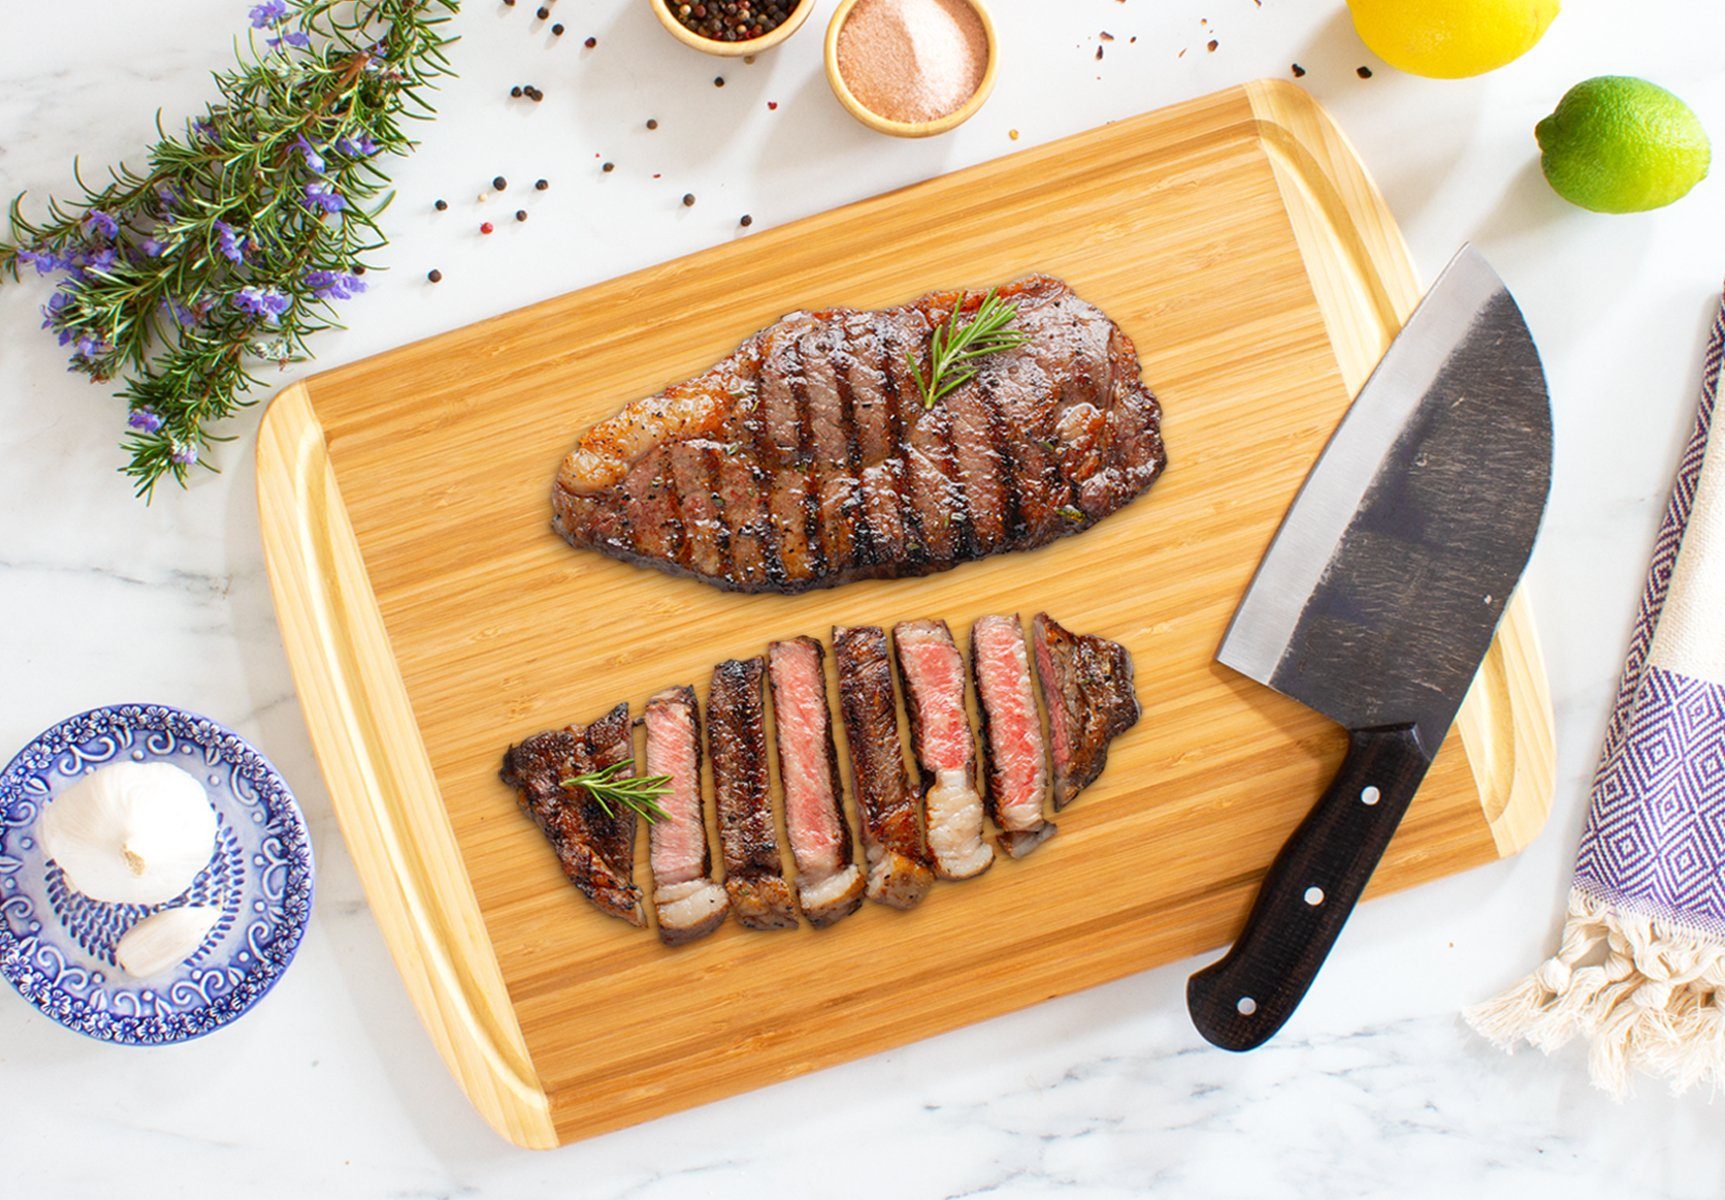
{"x": 132, "y": 833}
{"x": 164, "y": 940}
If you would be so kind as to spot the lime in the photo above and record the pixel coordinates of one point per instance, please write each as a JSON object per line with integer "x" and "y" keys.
{"x": 1451, "y": 39}
{"x": 1617, "y": 144}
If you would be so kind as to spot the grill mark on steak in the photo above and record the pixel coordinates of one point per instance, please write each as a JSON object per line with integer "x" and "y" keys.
{"x": 1087, "y": 688}
{"x": 899, "y": 865}
{"x": 686, "y": 900}
{"x": 931, "y": 670}
{"x": 737, "y": 745}
{"x": 596, "y": 849}
{"x": 1013, "y": 747}
{"x": 1048, "y": 439}
{"x": 829, "y": 884}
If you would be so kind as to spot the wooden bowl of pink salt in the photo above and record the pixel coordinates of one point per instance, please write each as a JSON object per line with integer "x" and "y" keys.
{"x": 911, "y": 68}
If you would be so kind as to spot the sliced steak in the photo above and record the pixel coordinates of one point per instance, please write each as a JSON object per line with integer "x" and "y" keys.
{"x": 1012, "y": 742}
{"x": 1087, "y": 689}
{"x": 737, "y": 744}
{"x": 829, "y": 883}
{"x": 932, "y": 672}
{"x": 808, "y": 458}
{"x": 900, "y": 871}
{"x": 688, "y": 904}
{"x": 596, "y": 848}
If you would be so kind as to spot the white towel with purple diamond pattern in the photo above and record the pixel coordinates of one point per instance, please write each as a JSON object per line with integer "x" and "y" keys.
{"x": 1640, "y": 973}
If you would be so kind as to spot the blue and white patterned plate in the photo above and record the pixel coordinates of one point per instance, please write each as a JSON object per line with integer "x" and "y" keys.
{"x": 57, "y": 946}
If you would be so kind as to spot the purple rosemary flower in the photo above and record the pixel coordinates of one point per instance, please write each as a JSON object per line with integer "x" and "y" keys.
{"x": 46, "y": 262}
{"x": 150, "y": 248}
{"x": 168, "y": 196}
{"x": 334, "y": 285}
{"x": 313, "y": 160}
{"x": 85, "y": 261}
{"x": 52, "y": 311}
{"x": 230, "y": 241}
{"x": 182, "y": 316}
{"x": 364, "y": 148}
{"x": 184, "y": 454}
{"x": 101, "y": 224}
{"x": 322, "y": 197}
{"x": 261, "y": 302}
{"x": 205, "y": 129}
{"x": 88, "y": 346}
{"x": 296, "y": 38}
{"x": 144, "y": 420}
{"x": 268, "y": 13}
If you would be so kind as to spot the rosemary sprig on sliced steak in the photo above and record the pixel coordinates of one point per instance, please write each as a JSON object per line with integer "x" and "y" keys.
{"x": 638, "y": 792}
{"x": 954, "y": 344}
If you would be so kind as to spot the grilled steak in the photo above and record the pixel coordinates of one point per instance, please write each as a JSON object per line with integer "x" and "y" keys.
{"x": 1088, "y": 691}
{"x": 829, "y": 884}
{"x": 1012, "y": 740}
{"x": 737, "y": 744}
{"x": 899, "y": 866}
{"x": 808, "y": 458}
{"x": 688, "y": 904}
{"x": 596, "y": 848}
{"x": 932, "y": 671}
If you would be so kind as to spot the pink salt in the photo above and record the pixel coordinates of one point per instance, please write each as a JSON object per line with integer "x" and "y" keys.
{"x": 913, "y": 60}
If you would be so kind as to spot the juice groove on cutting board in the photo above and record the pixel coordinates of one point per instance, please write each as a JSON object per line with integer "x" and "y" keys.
{"x": 431, "y": 616}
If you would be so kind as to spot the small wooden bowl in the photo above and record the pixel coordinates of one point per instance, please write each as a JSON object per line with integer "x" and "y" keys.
{"x": 733, "y": 49}
{"x": 910, "y": 129}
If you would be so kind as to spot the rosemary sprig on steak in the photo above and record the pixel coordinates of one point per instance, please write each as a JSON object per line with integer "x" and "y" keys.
{"x": 611, "y": 788}
{"x": 954, "y": 345}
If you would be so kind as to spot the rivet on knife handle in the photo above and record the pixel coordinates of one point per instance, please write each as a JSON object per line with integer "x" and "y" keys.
{"x": 1240, "y": 1002}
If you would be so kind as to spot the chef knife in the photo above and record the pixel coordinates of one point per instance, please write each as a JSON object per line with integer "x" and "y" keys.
{"x": 1375, "y": 605}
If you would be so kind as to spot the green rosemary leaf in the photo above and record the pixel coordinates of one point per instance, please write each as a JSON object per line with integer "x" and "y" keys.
{"x": 954, "y": 344}
{"x": 612, "y": 790}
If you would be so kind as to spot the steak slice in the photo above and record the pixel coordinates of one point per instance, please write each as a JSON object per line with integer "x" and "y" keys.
{"x": 829, "y": 883}
{"x": 932, "y": 672}
{"x": 1087, "y": 689}
{"x": 596, "y": 848}
{"x": 688, "y": 904}
{"x": 808, "y": 458}
{"x": 1012, "y": 742}
{"x": 899, "y": 866}
{"x": 737, "y": 744}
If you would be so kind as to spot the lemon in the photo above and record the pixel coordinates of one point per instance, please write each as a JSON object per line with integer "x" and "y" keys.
{"x": 1617, "y": 144}
{"x": 1451, "y": 39}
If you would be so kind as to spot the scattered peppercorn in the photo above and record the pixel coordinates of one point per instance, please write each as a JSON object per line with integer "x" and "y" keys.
{"x": 515, "y": 91}
{"x": 521, "y": 214}
{"x": 486, "y": 228}
{"x": 718, "y": 81}
{"x": 746, "y": 221}
{"x": 652, "y": 123}
{"x": 500, "y": 183}
{"x": 534, "y": 94}
{"x": 608, "y": 168}
{"x": 1299, "y": 71}
{"x": 543, "y": 13}
{"x": 434, "y": 275}
{"x": 557, "y": 29}
{"x": 740, "y": 21}
{"x": 1211, "y": 45}
{"x": 591, "y": 42}
{"x": 539, "y": 185}
{"x": 1364, "y": 72}
{"x": 1099, "y": 54}
{"x": 688, "y": 199}
{"x": 441, "y": 206}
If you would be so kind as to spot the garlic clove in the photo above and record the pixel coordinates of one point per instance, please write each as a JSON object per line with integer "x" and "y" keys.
{"x": 131, "y": 833}
{"x": 164, "y": 940}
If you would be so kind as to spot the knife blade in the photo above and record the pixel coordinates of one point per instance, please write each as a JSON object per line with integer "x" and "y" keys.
{"x": 1376, "y": 603}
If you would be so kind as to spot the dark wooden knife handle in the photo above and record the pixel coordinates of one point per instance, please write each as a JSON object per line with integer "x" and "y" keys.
{"x": 1240, "y": 1002}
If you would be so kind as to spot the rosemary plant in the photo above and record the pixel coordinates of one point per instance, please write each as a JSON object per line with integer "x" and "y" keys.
{"x": 614, "y": 790}
{"x": 958, "y": 343}
{"x": 237, "y": 239}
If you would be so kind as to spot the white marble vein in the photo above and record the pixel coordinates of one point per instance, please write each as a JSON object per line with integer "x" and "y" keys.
{"x": 331, "y": 1088}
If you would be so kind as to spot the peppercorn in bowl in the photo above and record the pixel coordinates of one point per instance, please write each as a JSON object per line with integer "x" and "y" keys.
{"x": 732, "y": 28}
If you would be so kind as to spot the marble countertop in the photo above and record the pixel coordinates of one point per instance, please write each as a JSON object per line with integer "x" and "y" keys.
{"x": 332, "y": 1087}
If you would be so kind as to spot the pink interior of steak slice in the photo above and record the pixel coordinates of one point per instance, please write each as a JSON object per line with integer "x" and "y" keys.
{"x": 813, "y": 818}
{"x": 678, "y": 848}
{"x": 935, "y": 672}
{"x": 1018, "y": 775}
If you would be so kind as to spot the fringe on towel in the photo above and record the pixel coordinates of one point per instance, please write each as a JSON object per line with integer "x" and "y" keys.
{"x": 1646, "y": 994}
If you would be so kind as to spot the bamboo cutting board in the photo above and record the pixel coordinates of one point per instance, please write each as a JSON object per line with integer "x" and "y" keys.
{"x": 431, "y": 617}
